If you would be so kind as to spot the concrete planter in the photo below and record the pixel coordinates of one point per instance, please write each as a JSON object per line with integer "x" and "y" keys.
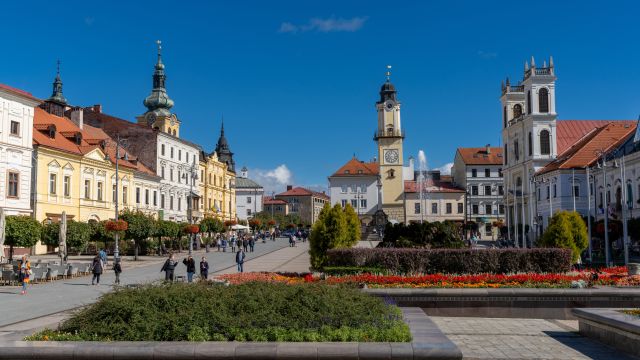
{"x": 633, "y": 268}
{"x": 428, "y": 343}
{"x": 612, "y": 327}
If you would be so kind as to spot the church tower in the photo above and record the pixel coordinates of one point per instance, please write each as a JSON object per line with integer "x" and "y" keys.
{"x": 389, "y": 137}
{"x": 158, "y": 103}
{"x": 57, "y": 103}
{"x": 224, "y": 152}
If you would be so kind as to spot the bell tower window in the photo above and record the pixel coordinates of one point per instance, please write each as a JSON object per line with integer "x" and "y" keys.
{"x": 529, "y": 102}
{"x": 517, "y": 111}
{"x": 530, "y": 144}
{"x": 504, "y": 115}
{"x": 545, "y": 142}
{"x": 543, "y": 100}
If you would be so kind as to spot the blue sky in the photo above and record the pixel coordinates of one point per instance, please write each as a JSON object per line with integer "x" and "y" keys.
{"x": 297, "y": 80}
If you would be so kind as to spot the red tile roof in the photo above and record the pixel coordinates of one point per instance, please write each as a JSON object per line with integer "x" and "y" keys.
{"x": 432, "y": 186}
{"x": 355, "y": 167}
{"x": 268, "y": 200}
{"x": 585, "y": 151}
{"x": 569, "y": 132}
{"x": 18, "y": 91}
{"x": 480, "y": 156}
{"x": 300, "y": 191}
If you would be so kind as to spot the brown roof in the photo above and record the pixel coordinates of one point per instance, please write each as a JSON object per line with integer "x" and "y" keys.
{"x": 569, "y": 132}
{"x": 268, "y": 200}
{"x": 300, "y": 191}
{"x": 64, "y": 138}
{"x": 432, "y": 186}
{"x": 355, "y": 167}
{"x": 585, "y": 151}
{"x": 18, "y": 91}
{"x": 480, "y": 156}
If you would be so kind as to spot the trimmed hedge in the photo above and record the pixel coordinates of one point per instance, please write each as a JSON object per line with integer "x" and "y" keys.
{"x": 454, "y": 261}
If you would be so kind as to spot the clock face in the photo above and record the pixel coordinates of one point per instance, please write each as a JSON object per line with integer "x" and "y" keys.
{"x": 389, "y": 104}
{"x": 391, "y": 156}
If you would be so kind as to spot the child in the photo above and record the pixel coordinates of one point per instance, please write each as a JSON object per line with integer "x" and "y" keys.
{"x": 117, "y": 269}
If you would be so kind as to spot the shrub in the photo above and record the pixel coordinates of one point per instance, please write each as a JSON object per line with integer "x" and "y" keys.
{"x": 453, "y": 261}
{"x": 445, "y": 234}
{"x": 249, "y": 312}
{"x": 566, "y": 230}
{"x": 21, "y": 231}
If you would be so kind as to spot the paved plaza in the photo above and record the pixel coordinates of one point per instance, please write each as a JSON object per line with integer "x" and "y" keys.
{"x": 492, "y": 338}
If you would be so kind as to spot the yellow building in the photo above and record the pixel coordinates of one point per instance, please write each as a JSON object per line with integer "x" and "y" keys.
{"x": 75, "y": 170}
{"x": 217, "y": 188}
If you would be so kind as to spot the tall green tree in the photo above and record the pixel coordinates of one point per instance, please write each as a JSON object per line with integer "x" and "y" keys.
{"x": 353, "y": 226}
{"x": 140, "y": 228}
{"x": 78, "y": 234}
{"x": 566, "y": 230}
{"x": 21, "y": 231}
{"x": 329, "y": 232}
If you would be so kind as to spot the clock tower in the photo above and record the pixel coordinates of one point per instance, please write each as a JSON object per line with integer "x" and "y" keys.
{"x": 158, "y": 103}
{"x": 389, "y": 137}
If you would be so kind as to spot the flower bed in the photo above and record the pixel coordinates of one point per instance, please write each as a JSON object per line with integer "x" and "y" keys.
{"x": 606, "y": 277}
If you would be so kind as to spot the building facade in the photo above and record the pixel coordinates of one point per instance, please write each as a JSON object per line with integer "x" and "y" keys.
{"x": 356, "y": 183}
{"x": 16, "y": 150}
{"x": 305, "y": 203}
{"x": 218, "y": 186}
{"x": 249, "y": 196}
{"x": 440, "y": 200}
{"x": 479, "y": 172}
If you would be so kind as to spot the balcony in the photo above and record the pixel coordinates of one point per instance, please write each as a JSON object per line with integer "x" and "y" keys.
{"x": 389, "y": 133}
{"x": 538, "y": 71}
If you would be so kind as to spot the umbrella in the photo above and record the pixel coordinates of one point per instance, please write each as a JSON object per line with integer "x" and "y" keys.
{"x": 2, "y": 226}
{"x": 62, "y": 243}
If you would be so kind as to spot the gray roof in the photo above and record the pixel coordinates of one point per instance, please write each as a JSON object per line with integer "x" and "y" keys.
{"x": 243, "y": 183}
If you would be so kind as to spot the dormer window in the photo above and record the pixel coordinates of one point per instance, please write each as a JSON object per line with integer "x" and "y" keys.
{"x": 360, "y": 172}
{"x": 52, "y": 131}
{"x": 78, "y": 138}
{"x": 346, "y": 172}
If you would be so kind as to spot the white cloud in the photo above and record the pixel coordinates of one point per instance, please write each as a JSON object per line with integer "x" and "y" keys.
{"x": 445, "y": 169}
{"x": 331, "y": 24}
{"x": 272, "y": 180}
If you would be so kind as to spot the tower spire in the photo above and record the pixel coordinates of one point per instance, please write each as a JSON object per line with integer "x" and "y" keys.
{"x": 56, "y": 95}
{"x": 388, "y": 73}
{"x": 159, "y": 43}
{"x": 158, "y": 101}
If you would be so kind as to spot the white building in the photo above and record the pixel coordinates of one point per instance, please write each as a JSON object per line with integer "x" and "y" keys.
{"x": 479, "y": 172}
{"x": 356, "y": 183}
{"x": 249, "y": 196}
{"x": 16, "y": 148}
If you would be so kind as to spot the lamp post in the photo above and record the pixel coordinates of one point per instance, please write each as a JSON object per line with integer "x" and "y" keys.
{"x": 120, "y": 143}
{"x": 625, "y": 206}
{"x": 589, "y": 177}
{"x": 602, "y": 164}
{"x": 191, "y": 176}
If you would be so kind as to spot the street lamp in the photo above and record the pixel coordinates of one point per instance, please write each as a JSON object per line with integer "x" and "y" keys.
{"x": 601, "y": 163}
{"x": 120, "y": 143}
{"x": 191, "y": 176}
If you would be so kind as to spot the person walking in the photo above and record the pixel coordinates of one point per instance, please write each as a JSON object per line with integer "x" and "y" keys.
{"x": 204, "y": 269}
{"x": 97, "y": 267}
{"x": 252, "y": 244}
{"x": 191, "y": 267}
{"x": 117, "y": 269}
{"x": 169, "y": 267}
{"x": 24, "y": 273}
{"x": 245, "y": 243}
{"x": 103, "y": 256}
{"x": 240, "y": 255}
{"x": 234, "y": 242}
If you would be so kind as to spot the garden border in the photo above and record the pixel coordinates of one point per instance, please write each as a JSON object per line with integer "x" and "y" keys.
{"x": 622, "y": 331}
{"x": 428, "y": 343}
{"x": 543, "y": 303}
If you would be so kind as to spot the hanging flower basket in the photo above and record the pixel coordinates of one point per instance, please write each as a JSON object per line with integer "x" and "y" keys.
{"x": 271, "y": 222}
{"x": 192, "y": 229}
{"x": 291, "y": 226}
{"x": 230, "y": 222}
{"x": 255, "y": 223}
{"x": 116, "y": 225}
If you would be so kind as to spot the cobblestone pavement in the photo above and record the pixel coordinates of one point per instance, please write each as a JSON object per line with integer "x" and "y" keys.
{"x": 493, "y": 338}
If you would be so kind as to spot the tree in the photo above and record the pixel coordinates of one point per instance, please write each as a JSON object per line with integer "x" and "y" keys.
{"x": 211, "y": 225}
{"x": 566, "y": 230}
{"x": 21, "y": 231}
{"x": 353, "y": 226}
{"x": 318, "y": 240}
{"x": 50, "y": 234}
{"x": 99, "y": 232}
{"x": 141, "y": 227}
{"x": 78, "y": 234}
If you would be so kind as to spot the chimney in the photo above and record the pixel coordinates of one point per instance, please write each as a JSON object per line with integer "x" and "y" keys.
{"x": 77, "y": 115}
{"x": 289, "y": 187}
{"x": 97, "y": 108}
{"x": 488, "y": 148}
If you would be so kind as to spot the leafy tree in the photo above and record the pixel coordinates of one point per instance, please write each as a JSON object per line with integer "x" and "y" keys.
{"x": 566, "y": 230}
{"x": 99, "y": 232}
{"x": 211, "y": 225}
{"x": 353, "y": 226}
{"x": 51, "y": 234}
{"x": 318, "y": 240}
{"x": 78, "y": 234}
{"x": 141, "y": 227}
{"x": 21, "y": 231}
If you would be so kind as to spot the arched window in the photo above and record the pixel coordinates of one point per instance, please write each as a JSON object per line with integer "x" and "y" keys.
{"x": 543, "y": 100}
{"x": 545, "y": 142}
{"x": 629, "y": 196}
{"x": 530, "y": 144}
{"x": 516, "y": 150}
{"x": 517, "y": 111}
{"x": 519, "y": 181}
{"x": 504, "y": 115}
{"x": 529, "y": 102}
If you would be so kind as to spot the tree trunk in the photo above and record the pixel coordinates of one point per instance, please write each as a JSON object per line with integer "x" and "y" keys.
{"x": 10, "y": 253}
{"x": 135, "y": 252}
